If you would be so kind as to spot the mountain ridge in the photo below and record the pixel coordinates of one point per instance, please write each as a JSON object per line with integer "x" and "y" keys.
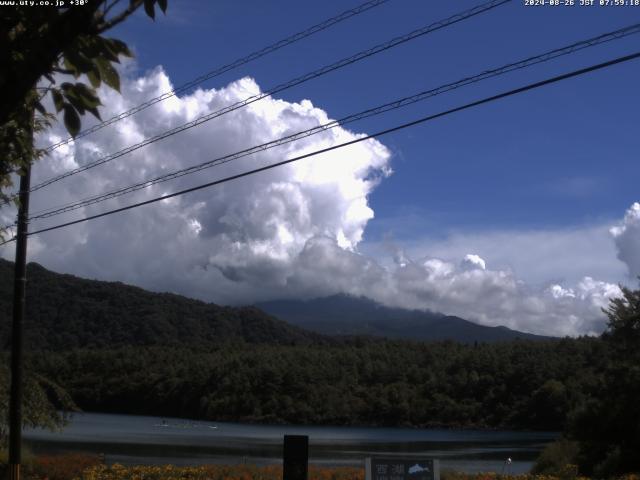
{"x": 351, "y": 315}
{"x": 66, "y": 312}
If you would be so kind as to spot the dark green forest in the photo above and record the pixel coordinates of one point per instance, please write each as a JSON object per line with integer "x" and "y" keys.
{"x": 109, "y": 347}
{"x": 529, "y": 385}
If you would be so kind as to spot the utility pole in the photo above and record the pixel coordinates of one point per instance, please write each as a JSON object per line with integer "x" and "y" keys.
{"x": 19, "y": 288}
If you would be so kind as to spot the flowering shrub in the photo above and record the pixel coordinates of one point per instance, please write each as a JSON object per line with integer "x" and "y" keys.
{"x": 250, "y": 472}
{"x": 62, "y": 467}
{"x": 88, "y": 467}
{"x": 212, "y": 472}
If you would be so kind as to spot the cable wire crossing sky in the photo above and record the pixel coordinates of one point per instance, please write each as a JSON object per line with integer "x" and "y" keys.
{"x": 355, "y": 117}
{"x": 520, "y": 212}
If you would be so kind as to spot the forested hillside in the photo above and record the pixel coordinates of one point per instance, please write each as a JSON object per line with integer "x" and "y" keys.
{"x": 518, "y": 385}
{"x": 66, "y": 312}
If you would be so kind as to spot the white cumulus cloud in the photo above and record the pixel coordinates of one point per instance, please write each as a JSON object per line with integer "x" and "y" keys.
{"x": 472, "y": 262}
{"x": 627, "y": 239}
{"x": 287, "y": 232}
{"x": 472, "y": 290}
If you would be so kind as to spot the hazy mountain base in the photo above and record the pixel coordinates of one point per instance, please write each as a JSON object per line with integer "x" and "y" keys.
{"x": 348, "y": 315}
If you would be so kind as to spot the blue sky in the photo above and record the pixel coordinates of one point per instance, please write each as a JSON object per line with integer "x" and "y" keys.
{"x": 521, "y": 212}
{"x": 562, "y": 155}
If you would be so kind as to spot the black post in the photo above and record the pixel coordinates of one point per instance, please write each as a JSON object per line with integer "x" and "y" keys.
{"x": 19, "y": 287}
{"x": 295, "y": 464}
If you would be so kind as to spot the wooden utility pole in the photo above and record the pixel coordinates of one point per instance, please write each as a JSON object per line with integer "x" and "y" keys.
{"x": 19, "y": 288}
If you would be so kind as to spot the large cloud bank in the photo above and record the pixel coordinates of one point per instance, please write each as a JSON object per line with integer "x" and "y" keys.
{"x": 289, "y": 232}
{"x": 627, "y": 238}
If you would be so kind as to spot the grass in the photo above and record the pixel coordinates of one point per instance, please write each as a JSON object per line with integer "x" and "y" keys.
{"x": 89, "y": 467}
{"x": 213, "y": 472}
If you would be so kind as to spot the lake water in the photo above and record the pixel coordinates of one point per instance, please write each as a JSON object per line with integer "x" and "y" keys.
{"x": 130, "y": 439}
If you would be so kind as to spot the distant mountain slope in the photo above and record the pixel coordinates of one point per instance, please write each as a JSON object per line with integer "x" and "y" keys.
{"x": 64, "y": 312}
{"x": 347, "y": 315}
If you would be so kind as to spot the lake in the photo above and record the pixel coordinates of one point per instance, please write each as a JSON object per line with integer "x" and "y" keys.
{"x": 131, "y": 439}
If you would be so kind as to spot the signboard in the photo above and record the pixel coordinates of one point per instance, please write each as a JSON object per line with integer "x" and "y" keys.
{"x": 377, "y": 468}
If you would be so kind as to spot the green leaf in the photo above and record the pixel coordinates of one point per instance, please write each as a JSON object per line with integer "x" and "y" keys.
{"x": 149, "y": 8}
{"x": 81, "y": 96}
{"x": 87, "y": 95}
{"x": 71, "y": 120}
{"x": 111, "y": 48}
{"x": 70, "y": 93}
{"x": 95, "y": 113}
{"x": 88, "y": 46}
{"x": 94, "y": 76}
{"x": 120, "y": 47}
{"x": 77, "y": 62}
{"x": 77, "y": 103}
{"x": 58, "y": 101}
{"x": 109, "y": 74}
{"x": 40, "y": 108}
{"x": 70, "y": 66}
{"x": 163, "y": 5}
{"x": 108, "y": 51}
{"x": 99, "y": 46}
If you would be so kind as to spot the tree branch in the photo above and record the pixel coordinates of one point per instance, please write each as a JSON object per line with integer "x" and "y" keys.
{"x": 118, "y": 18}
{"x": 62, "y": 70}
{"x": 107, "y": 8}
{"x": 43, "y": 53}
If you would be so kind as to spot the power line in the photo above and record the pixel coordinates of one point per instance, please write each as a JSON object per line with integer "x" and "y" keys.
{"x": 225, "y": 68}
{"x": 493, "y": 98}
{"x": 284, "y": 86}
{"x": 527, "y": 62}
